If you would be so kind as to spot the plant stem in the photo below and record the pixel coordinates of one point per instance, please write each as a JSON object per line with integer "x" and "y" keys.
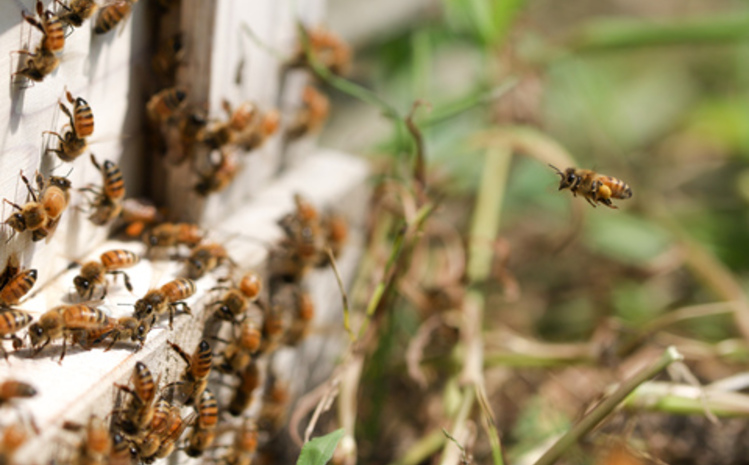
{"x": 602, "y": 410}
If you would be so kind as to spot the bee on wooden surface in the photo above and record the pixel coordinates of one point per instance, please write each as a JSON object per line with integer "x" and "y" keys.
{"x": 221, "y": 173}
{"x": 12, "y": 389}
{"x": 195, "y": 378}
{"x": 17, "y": 287}
{"x": 138, "y": 413}
{"x": 63, "y": 321}
{"x": 138, "y": 215}
{"x": 93, "y": 273}
{"x": 77, "y": 11}
{"x": 44, "y": 59}
{"x": 121, "y": 450}
{"x": 167, "y": 441}
{"x": 328, "y": 50}
{"x": 182, "y": 137}
{"x": 31, "y": 216}
{"x": 239, "y": 353}
{"x": 205, "y": 258}
{"x": 107, "y": 202}
{"x": 274, "y": 327}
{"x": 235, "y": 301}
{"x": 167, "y": 298}
{"x": 73, "y": 143}
{"x": 243, "y": 447}
{"x": 303, "y": 313}
{"x": 303, "y": 244}
{"x": 164, "y": 105}
{"x": 41, "y": 214}
{"x": 596, "y": 188}
{"x": 249, "y": 380}
{"x": 121, "y": 329}
{"x": 173, "y": 234}
{"x": 112, "y": 14}
{"x": 204, "y": 430}
{"x": 313, "y": 114}
{"x": 257, "y": 133}
{"x": 168, "y": 57}
{"x": 12, "y": 321}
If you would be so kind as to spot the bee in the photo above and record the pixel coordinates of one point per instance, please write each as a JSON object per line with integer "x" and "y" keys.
{"x": 242, "y": 450}
{"x": 31, "y": 216}
{"x": 96, "y": 446}
{"x": 168, "y": 57}
{"x": 239, "y": 352}
{"x": 43, "y": 60}
{"x": 123, "y": 328}
{"x": 249, "y": 380}
{"x": 167, "y": 441}
{"x": 121, "y": 454}
{"x": 327, "y": 49}
{"x": 138, "y": 214}
{"x": 17, "y": 287}
{"x": 12, "y": 438}
{"x": 77, "y": 11}
{"x": 54, "y": 196}
{"x": 273, "y": 330}
{"x": 173, "y": 234}
{"x": 12, "y": 389}
{"x": 164, "y": 106}
{"x": 12, "y": 321}
{"x": 304, "y": 312}
{"x": 596, "y": 188}
{"x": 204, "y": 258}
{"x": 139, "y": 412}
{"x": 235, "y": 301}
{"x": 255, "y": 134}
{"x": 167, "y": 298}
{"x": 112, "y": 14}
{"x": 274, "y": 407}
{"x": 311, "y": 117}
{"x": 195, "y": 378}
{"x": 93, "y": 273}
{"x": 221, "y": 174}
{"x": 303, "y": 244}
{"x": 81, "y": 121}
{"x": 107, "y": 203}
{"x": 63, "y": 321}
{"x": 204, "y": 430}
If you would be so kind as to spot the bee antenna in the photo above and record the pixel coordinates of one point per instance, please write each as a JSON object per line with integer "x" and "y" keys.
{"x": 559, "y": 172}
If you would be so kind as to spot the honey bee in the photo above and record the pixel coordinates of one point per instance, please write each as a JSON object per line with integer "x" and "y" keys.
{"x": 96, "y": 446}
{"x": 235, "y": 301}
{"x": 167, "y": 440}
{"x": 12, "y": 321}
{"x": 63, "y": 321}
{"x": 107, "y": 203}
{"x": 311, "y": 117}
{"x": 221, "y": 174}
{"x": 164, "y": 106}
{"x": 112, "y": 14}
{"x": 93, "y": 273}
{"x": 204, "y": 430}
{"x": 242, "y": 450}
{"x": 596, "y": 188}
{"x": 40, "y": 216}
{"x": 327, "y": 49}
{"x": 167, "y": 298}
{"x": 121, "y": 454}
{"x": 195, "y": 378}
{"x": 12, "y": 389}
{"x": 173, "y": 234}
{"x": 274, "y": 328}
{"x": 168, "y": 57}
{"x": 138, "y": 214}
{"x": 304, "y": 312}
{"x": 257, "y": 133}
{"x": 73, "y": 143}
{"x": 274, "y": 407}
{"x": 123, "y": 328}
{"x": 44, "y": 59}
{"x": 303, "y": 244}
{"x": 239, "y": 352}
{"x": 17, "y": 287}
{"x": 139, "y": 411}
{"x": 77, "y": 11}
{"x": 12, "y": 438}
{"x": 249, "y": 380}
{"x": 204, "y": 258}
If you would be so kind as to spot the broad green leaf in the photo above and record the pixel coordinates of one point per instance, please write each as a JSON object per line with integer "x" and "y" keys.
{"x": 319, "y": 450}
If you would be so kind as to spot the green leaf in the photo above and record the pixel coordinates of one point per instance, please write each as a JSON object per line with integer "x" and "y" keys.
{"x": 319, "y": 450}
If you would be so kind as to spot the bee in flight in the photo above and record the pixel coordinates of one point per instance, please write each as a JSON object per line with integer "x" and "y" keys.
{"x": 596, "y": 188}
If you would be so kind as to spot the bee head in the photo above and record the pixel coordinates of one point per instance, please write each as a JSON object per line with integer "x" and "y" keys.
{"x": 36, "y": 333}
{"x": 82, "y": 284}
{"x": 569, "y": 177}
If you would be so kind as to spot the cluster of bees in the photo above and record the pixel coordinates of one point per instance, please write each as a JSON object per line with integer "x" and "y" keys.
{"x": 250, "y": 317}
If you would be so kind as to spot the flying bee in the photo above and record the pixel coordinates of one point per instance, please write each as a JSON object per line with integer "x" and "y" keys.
{"x": 205, "y": 258}
{"x": 165, "y": 299}
{"x": 204, "y": 430}
{"x": 44, "y": 59}
{"x": 73, "y": 143}
{"x": 195, "y": 378}
{"x": 12, "y": 321}
{"x": 17, "y": 287}
{"x": 77, "y": 11}
{"x": 139, "y": 411}
{"x": 107, "y": 202}
{"x": 93, "y": 273}
{"x": 311, "y": 117}
{"x": 327, "y": 49}
{"x": 596, "y": 188}
{"x": 221, "y": 174}
{"x": 249, "y": 380}
{"x": 242, "y": 450}
{"x": 173, "y": 234}
{"x": 168, "y": 57}
{"x": 64, "y": 321}
{"x": 165, "y": 105}
{"x": 12, "y": 389}
{"x": 111, "y": 14}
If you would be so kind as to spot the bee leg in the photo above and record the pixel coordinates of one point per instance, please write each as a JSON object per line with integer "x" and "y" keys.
{"x": 64, "y": 349}
{"x": 185, "y": 356}
{"x": 590, "y": 202}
